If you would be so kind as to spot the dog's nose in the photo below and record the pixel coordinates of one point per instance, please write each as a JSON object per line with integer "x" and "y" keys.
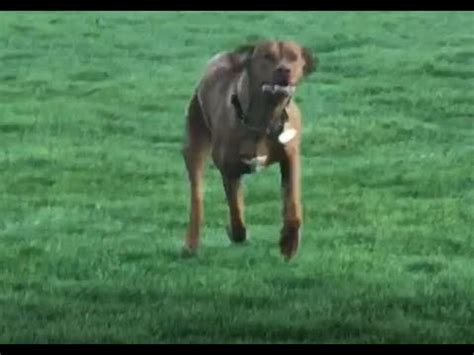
{"x": 282, "y": 75}
{"x": 283, "y": 70}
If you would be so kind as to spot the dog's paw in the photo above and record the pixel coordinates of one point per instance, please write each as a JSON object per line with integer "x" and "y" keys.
{"x": 188, "y": 252}
{"x": 289, "y": 242}
{"x": 237, "y": 235}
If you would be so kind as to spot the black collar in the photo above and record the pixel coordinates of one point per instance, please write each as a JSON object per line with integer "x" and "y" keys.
{"x": 273, "y": 132}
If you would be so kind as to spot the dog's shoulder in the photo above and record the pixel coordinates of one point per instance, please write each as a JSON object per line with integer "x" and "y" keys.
{"x": 231, "y": 62}
{"x": 221, "y": 70}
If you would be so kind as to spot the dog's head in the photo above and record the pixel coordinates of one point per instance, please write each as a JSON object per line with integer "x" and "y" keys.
{"x": 277, "y": 66}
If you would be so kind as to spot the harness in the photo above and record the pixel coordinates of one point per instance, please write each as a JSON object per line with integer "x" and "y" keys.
{"x": 272, "y": 131}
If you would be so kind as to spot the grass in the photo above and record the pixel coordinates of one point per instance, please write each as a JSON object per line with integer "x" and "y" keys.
{"x": 93, "y": 191}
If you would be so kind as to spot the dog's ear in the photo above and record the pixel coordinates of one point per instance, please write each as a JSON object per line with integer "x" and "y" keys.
{"x": 246, "y": 50}
{"x": 311, "y": 61}
{"x": 241, "y": 56}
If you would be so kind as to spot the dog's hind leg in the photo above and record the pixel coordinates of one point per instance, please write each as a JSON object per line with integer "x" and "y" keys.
{"x": 195, "y": 151}
{"x": 233, "y": 191}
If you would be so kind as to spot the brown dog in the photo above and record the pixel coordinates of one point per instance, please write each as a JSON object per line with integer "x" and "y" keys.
{"x": 243, "y": 113}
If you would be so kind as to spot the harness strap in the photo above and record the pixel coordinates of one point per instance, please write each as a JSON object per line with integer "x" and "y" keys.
{"x": 242, "y": 117}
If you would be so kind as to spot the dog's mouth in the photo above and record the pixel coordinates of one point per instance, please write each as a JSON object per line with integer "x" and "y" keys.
{"x": 274, "y": 89}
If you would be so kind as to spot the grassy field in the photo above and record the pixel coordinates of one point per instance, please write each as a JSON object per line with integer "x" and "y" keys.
{"x": 94, "y": 196}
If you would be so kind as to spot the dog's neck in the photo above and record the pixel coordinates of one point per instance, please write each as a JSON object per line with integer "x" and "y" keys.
{"x": 255, "y": 108}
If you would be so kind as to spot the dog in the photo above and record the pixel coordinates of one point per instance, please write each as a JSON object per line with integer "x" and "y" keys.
{"x": 243, "y": 114}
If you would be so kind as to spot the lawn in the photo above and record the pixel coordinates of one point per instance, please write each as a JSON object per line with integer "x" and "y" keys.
{"x": 94, "y": 194}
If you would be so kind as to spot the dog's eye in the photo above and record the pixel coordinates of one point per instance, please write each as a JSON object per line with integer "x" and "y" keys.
{"x": 292, "y": 57}
{"x": 269, "y": 57}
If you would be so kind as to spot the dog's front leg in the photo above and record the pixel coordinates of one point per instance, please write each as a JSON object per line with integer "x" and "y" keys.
{"x": 195, "y": 151}
{"x": 292, "y": 210}
{"x": 194, "y": 159}
{"x": 236, "y": 229}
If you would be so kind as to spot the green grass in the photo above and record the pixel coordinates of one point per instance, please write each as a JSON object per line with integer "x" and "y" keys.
{"x": 94, "y": 195}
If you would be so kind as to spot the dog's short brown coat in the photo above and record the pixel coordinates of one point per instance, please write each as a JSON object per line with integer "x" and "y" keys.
{"x": 232, "y": 82}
